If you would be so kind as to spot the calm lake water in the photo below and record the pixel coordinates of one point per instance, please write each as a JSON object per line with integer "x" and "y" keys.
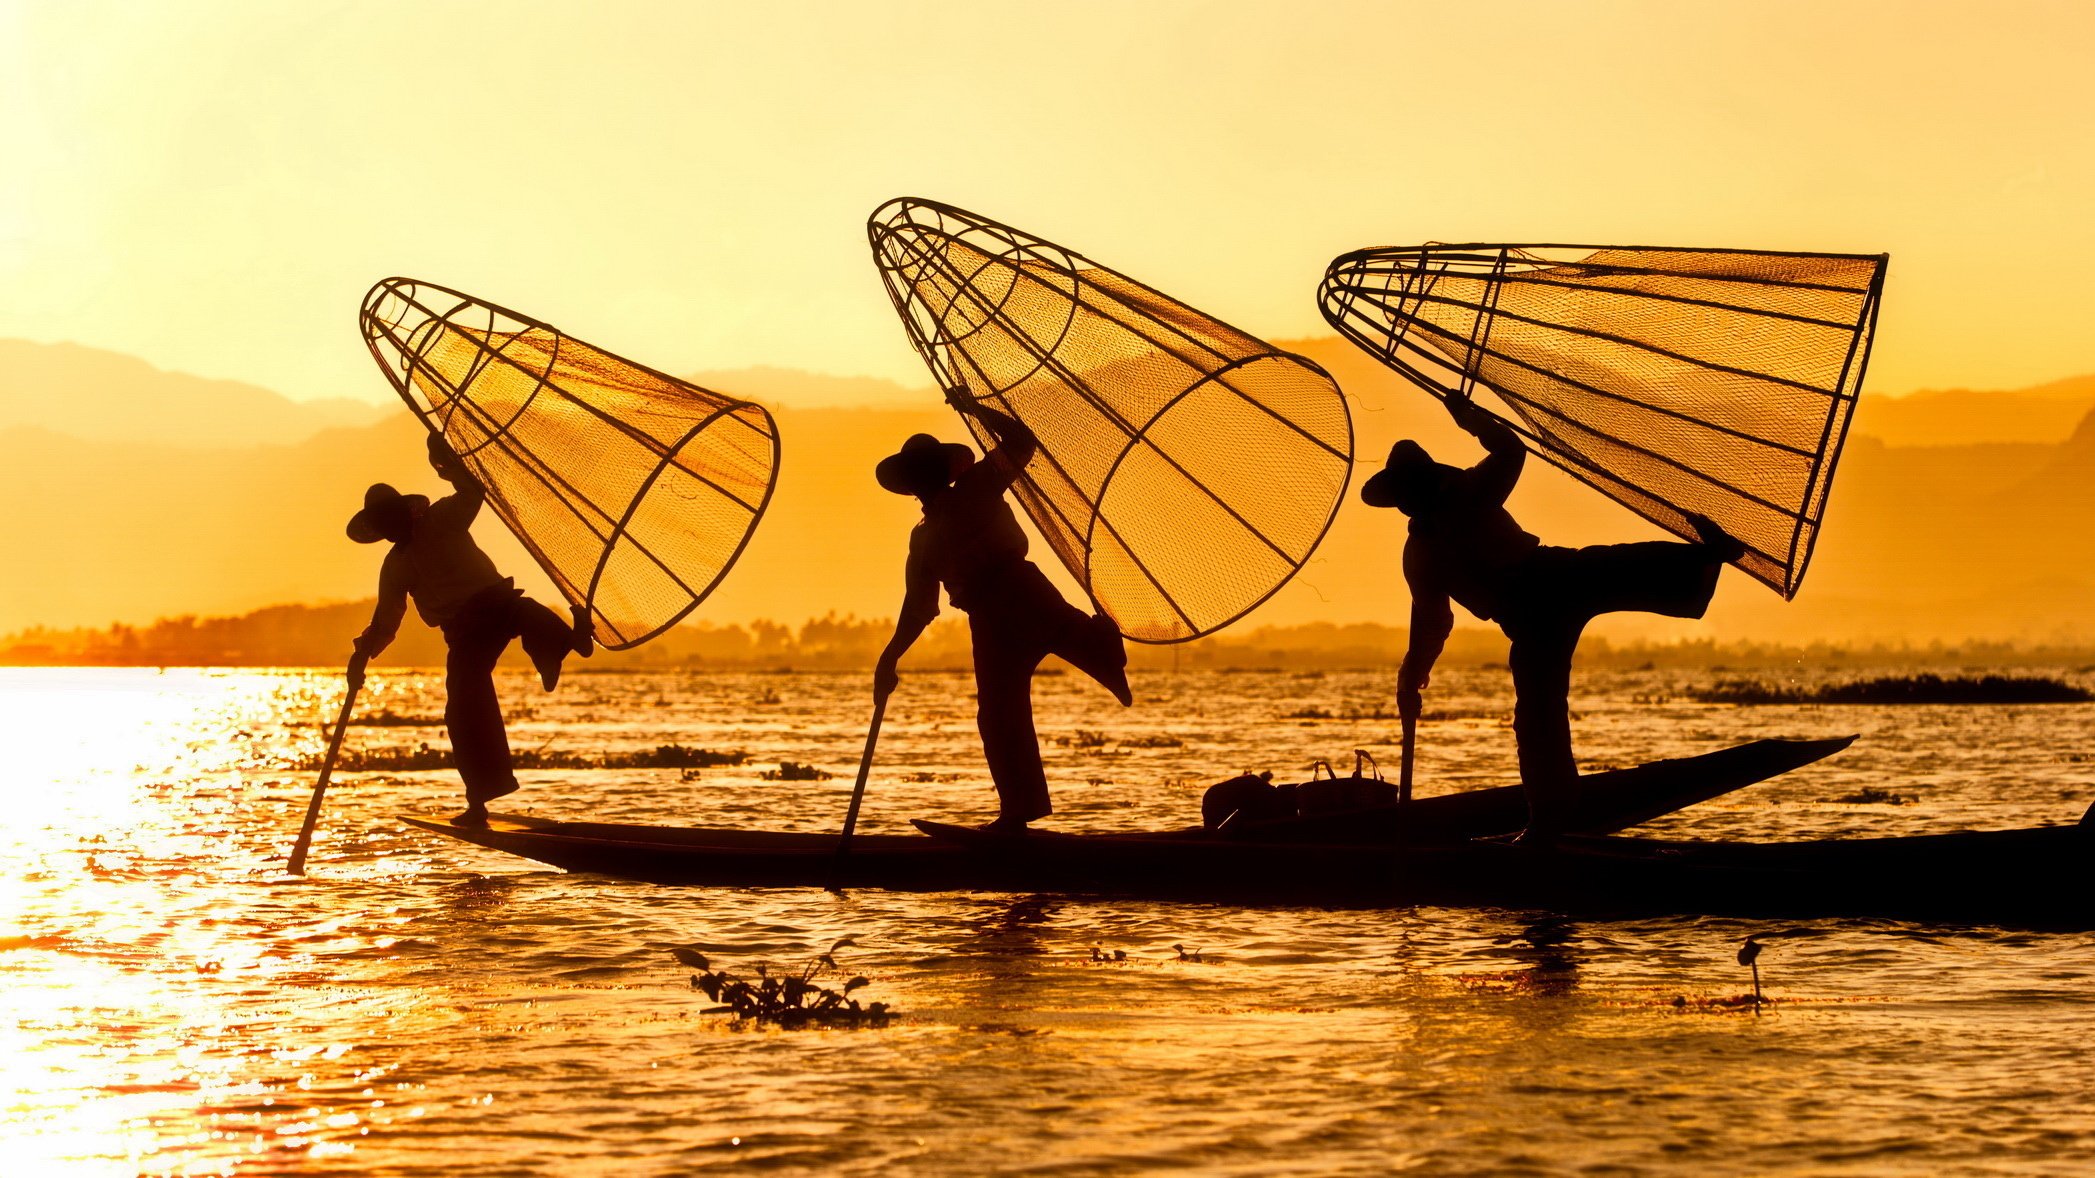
{"x": 172, "y": 1003}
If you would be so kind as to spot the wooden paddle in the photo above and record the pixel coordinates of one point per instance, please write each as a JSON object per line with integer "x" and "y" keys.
{"x": 865, "y": 769}
{"x": 327, "y": 765}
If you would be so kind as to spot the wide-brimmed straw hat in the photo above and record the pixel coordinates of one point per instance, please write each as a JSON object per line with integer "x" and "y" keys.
{"x": 1408, "y": 470}
{"x": 921, "y": 460}
{"x": 382, "y": 507}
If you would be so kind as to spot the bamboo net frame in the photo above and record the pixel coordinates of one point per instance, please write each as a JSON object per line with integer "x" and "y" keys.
{"x": 1714, "y": 381}
{"x": 635, "y": 491}
{"x": 1186, "y": 469}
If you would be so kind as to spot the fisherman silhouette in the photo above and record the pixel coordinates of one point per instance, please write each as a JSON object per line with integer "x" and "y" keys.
{"x": 1464, "y": 545}
{"x": 457, "y": 590}
{"x": 970, "y": 542}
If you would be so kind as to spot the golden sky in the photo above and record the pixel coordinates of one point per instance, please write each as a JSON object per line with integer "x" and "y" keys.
{"x": 212, "y": 184}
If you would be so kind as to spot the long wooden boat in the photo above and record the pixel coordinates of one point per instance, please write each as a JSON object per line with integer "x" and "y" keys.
{"x": 1606, "y": 802}
{"x": 2035, "y": 877}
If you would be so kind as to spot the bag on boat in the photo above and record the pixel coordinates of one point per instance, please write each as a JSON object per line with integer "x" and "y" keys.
{"x": 1249, "y": 798}
{"x": 1254, "y": 798}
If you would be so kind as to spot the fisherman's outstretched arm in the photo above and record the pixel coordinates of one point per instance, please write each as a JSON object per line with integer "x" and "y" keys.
{"x": 1016, "y": 444}
{"x": 1504, "y": 455}
{"x": 919, "y": 607}
{"x": 392, "y": 606}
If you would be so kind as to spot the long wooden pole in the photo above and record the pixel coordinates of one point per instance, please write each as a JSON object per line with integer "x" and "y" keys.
{"x": 1404, "y": 764}
{"x": 865, "y": 769}
{"x": 327, "y": 767}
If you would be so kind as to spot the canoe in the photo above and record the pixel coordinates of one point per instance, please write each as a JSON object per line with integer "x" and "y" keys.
{"x": 1606, "y": 802}
{"x": 2035, "y": 877}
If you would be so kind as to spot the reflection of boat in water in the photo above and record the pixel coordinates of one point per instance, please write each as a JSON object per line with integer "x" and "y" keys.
{"x": 2036, "y": 876}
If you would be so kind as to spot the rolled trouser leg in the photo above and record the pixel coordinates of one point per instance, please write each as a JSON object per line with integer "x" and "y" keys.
{"x": 473, "y": 716}
{"x": 1004, "y": 716}
{"x": 1541, "y": 666}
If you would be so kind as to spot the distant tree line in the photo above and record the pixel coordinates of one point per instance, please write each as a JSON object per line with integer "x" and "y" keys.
{"x": 319, "y": 636}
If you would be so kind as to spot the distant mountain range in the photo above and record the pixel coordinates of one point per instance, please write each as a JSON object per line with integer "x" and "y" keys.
{"x": 99, "y": 396}
{"x": 138, "y": 494}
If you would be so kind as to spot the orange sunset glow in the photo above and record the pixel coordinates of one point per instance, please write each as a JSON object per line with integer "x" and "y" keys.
{"x": 1309, "y": 803}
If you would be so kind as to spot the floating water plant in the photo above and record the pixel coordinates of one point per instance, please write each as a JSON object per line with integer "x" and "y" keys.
{"x": 386, "y": 719}
{"x": 785, "y": 1000}
{"x": 795, "y": 771}
{"x": 426, "y": 756}
{"x": 1870, "y": 795}
{"x": 1903, "y": 689}
{"x": 1353, "y": 713}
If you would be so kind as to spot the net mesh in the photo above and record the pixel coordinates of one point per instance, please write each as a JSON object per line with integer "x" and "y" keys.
{"x": 1671, "y": 380}
{"x": 635, "y": 491}
{"x": 1186, "y": 470}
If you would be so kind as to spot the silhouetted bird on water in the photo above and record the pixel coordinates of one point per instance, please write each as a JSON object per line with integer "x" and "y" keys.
{"x": 457, "y": 590}
{"x": 970, "y": 542}
{"x": 1464, "y": 546}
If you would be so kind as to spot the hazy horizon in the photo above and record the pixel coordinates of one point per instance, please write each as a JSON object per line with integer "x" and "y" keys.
{"x": 1928, "y": 537}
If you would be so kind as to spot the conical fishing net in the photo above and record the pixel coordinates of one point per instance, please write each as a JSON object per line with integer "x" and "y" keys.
{"x": 1670, "y": 380}
{"x": 635, "y": 491}
{"x": 1186, "y": 470}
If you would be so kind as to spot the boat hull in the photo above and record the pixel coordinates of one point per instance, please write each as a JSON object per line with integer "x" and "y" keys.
{"x": 2037, "y": 877}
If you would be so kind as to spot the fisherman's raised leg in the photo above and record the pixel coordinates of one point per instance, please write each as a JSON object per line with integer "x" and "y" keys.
{"x": 547, "y": 637}
{"x": 1666, "y": 577}
{"x": 1092, "y": 643}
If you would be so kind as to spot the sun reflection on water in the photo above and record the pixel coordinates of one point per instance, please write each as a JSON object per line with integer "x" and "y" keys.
{"x": 130, "y": 990}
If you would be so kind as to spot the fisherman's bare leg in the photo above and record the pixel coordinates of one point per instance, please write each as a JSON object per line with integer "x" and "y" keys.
{"x": 473, "y": 717}
{"x": 1004, "y": 716}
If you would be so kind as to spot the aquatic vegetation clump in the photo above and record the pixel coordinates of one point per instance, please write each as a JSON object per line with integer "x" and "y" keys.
{"x": 669, "y": 756}
{"x": 795, "y": 771}
{"x": 786, "y": 1000}
{"x": 1924, "y": 688}
{"x": 387, "y": 719}
{"x": 426, "y": 756}
{"x": 1350, "y": 713}
{"x": 1870, "y": 795}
